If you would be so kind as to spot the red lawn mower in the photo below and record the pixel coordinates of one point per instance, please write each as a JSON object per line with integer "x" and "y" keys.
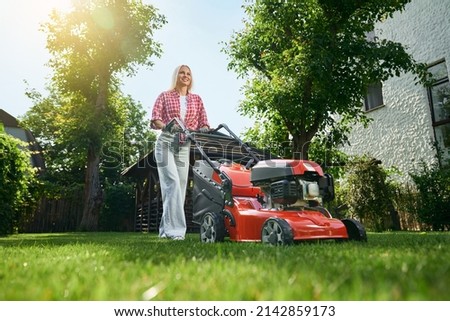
{"x": 249, "y": 199}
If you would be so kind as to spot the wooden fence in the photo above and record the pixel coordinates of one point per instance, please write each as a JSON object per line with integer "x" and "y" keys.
{"x": 54, "y": 215}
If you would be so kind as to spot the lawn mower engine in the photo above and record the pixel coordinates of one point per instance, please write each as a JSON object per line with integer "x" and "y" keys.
{"x": 292, "y": 183}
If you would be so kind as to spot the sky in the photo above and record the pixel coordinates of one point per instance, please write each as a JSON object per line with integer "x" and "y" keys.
{"x": 193, "y": 35}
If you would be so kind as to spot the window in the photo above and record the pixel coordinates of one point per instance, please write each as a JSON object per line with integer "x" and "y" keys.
{"x": 439, "y": 97}
{"x": 374, "y": 97}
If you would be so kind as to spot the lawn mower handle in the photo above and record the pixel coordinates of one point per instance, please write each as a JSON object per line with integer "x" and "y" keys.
{"x": 189, "y": 136}
{"x": 246, "y": 147}
{"x": 226, "y": 180}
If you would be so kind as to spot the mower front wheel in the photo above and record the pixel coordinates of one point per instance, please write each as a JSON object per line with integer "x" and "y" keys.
{"x": 276, "y": 231}
{"x": 355, "y": 230}
{"x": 212, "y": 229}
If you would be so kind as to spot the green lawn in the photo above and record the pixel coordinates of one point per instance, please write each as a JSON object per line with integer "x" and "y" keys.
{"x": 135, "y": 266}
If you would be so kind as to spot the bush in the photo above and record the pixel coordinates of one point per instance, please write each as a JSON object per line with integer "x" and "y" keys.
{"x": 368, "y": 194}
{"x": 405, "y": 202}
{"x": 16, "y": 176}
{"x": 118, "y": 209}
{"x": 433, "y": 204}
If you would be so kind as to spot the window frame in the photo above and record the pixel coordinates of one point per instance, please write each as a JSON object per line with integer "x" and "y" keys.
{"x": 439, "y": 125}
{"x": 374, "y": 94}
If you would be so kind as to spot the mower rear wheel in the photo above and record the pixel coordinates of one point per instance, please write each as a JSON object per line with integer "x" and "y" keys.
{"x": 212, "y": 229}
{"x": 276, "y": 231}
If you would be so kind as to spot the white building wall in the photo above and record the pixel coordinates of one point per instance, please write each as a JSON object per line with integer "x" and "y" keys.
{"x": 401, "y": 132}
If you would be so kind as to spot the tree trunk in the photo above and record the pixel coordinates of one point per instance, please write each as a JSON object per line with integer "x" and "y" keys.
{"x": 302, "y": 139}
{"x": 93, "y": 195}
{"x": 300, "y": 147}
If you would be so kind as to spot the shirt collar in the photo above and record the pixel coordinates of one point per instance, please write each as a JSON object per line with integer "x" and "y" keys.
{"x": 176, "y": 92}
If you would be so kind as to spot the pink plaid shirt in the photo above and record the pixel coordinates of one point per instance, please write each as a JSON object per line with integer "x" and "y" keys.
{"x": 167, "y": 106}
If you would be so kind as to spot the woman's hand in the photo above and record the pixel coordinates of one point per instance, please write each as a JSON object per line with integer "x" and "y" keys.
{"x": 158, "y": 124}
{"x": 172, "y": 128}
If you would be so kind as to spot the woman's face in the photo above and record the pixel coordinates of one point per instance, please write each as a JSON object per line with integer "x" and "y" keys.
{"x": 184, "y": 76}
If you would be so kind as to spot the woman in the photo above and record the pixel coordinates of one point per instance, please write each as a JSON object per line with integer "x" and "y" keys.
{"x": 172, "y": 158}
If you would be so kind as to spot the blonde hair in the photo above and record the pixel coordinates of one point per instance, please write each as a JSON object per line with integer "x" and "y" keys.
{"x": 175, "y": 77}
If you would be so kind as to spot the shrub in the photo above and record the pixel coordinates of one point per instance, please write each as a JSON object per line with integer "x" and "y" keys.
{"x": 16, "y": 176}
{"x": 367, "y": 193}
{"x": 404, "y": 198}
{"x": 118, "y": 209}
{"x": 433, "y": 203}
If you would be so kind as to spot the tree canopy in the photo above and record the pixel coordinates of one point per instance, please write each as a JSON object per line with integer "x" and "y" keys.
{"x": 91, "y": 47}
{"x": 308, "y": 64}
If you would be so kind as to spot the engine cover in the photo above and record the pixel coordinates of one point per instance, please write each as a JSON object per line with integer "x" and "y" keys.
{"x": 271, "y": 170}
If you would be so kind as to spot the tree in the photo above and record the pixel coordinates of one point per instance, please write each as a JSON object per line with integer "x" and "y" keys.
{"x": 309, "y": 64}
{"x": 91, "y": 47}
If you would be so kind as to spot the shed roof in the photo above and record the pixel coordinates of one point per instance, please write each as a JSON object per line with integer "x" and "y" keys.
{"x": 13, "y": 128}
{"x": 8, "y": 120}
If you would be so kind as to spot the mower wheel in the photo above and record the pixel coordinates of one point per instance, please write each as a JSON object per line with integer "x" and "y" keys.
{"x": 276, "y": 231}
{"x": 212, "y": 228}
{"x": 355, "y": 230}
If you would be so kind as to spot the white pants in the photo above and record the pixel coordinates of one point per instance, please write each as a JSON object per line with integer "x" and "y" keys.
{"x": 173, "y": 170}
